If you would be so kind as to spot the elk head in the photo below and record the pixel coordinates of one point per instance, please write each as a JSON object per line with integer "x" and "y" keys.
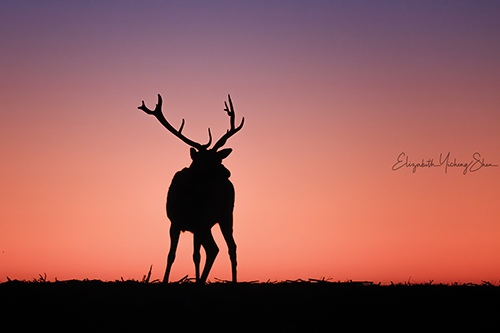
{"x": 205, "y": 160}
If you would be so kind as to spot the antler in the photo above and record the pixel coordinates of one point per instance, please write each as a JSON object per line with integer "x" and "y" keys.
{"x": 178, "y": 133}
{"x": 232, "y": 131}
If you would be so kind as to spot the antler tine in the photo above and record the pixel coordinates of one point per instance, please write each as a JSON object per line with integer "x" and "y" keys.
{"x": 157, "y": 112}
{"x": 157, "y": 109}
{"x": 206, "y": 145}
{"x": 233, "y": 130}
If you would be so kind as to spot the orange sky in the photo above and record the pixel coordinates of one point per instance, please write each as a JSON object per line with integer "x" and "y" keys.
{"x": 331, "y": 95}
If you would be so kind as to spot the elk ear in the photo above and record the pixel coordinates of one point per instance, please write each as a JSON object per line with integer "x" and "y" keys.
{"x": 224, "y": 153}
{"x": 193, "y": 153}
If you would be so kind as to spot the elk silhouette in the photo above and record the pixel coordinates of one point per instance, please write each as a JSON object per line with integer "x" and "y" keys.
{"x": 201, "y": 195}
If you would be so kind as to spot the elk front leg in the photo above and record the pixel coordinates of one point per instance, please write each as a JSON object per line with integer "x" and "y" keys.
{"x": 196, "y": 255}
{"x": 174, "y": 240}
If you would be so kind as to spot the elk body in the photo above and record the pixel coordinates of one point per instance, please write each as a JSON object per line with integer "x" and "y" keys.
{"x": 201, "y": 196}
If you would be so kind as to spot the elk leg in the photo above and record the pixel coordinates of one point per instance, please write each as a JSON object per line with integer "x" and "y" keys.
{"x": 227, "y": 232}
{"x": 211, "y": 250}
{"x": 174, "y": 240}
{"x": 196, "y": 255}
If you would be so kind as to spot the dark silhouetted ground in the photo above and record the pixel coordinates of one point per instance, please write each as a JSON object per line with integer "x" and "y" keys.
{"x": 249, "y": 307}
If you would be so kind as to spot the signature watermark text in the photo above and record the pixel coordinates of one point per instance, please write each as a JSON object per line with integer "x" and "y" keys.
{"x": 445, "y": 161}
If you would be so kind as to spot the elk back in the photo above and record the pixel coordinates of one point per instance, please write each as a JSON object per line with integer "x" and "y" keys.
{"x": 198, "y": 202}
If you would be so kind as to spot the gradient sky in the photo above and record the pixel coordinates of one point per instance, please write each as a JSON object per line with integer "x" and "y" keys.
{"x": 332, "y": 93}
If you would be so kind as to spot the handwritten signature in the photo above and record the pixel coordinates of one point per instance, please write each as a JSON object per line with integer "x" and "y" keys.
{"x": 475, "y": 164}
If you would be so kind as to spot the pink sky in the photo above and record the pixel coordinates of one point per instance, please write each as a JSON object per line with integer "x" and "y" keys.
{"x": 331, "y": 95}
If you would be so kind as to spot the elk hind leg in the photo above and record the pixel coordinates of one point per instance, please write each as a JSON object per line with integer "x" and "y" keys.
{"x": 211, "y": 250}
{"x": 227, "y": 232}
